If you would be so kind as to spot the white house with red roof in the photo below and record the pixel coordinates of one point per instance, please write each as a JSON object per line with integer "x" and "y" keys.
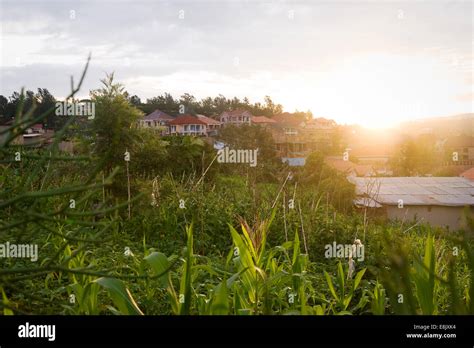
{"x": 212, "y": 126}
{"x": 188, "y": 125}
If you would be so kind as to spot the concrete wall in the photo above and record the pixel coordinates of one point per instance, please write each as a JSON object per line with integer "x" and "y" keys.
{"x": 434, "y": 215}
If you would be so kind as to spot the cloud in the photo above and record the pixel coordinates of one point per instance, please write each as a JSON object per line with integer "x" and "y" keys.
{"x": 250, "y": 48}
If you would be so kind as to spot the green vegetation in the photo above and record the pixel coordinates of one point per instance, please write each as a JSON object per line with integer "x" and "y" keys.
{"x": 174, "y": 232}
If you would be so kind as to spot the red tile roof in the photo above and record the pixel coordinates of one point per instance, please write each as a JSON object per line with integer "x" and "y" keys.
{"x": 262, "y": 119}
{"x": 468, "y": 174}
{"x": 208, "y": 120}
{"x": 186, "y": 119}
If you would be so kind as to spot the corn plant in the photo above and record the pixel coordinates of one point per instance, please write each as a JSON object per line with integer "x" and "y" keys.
{"x": 121, "y": 297}
{"x": 83, "y": 292}
{"x": 424, "y": 277}
{"x": 414, "y": 284}
{"x": 180, "y": 302}
{"x": 344, "y": 292}
{"x": 378, "y": 302}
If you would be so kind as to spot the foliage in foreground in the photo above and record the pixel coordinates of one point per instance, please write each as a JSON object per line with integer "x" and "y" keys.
{"x": 192, "y": 260}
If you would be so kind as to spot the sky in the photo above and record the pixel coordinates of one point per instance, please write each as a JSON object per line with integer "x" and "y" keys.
{"x": 375, "y": 63}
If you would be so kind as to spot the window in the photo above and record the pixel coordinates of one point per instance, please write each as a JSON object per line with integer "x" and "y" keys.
{"x": 290, "y": 131}
{"x": 186, "y": 128}
{"x": 193, "y": 127}
{"x": 173, "y": 128}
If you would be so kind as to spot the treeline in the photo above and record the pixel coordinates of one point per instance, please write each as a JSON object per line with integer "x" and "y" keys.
{"x": 42, "y": 100}
{"x": 206, "y": 106}
{"x": 209, "y": 106}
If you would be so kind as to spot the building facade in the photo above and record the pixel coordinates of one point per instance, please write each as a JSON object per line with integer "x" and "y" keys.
{"x": 187, "y": 125}
{"x": 235, "y": 117}
{"x": 438, "y": 201}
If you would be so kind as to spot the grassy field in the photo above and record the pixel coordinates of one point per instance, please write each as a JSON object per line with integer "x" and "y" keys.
{"x": 171, "y": 231}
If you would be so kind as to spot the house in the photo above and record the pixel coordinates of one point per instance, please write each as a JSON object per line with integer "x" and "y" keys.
{"x": 296, "y": 137}
{"x": 379, "y": 154}
{"x": 290, "y": 142}
{"x": 348, "y": 167}
{"x": 235, "y": 117}
{"x": 34, "y": 136}
{"x": 33, "y": 140}
{"x": 262, "y": 121}
{"x": 463, "y": 146}
{"x": 38, "y": 139}
{"x": 35, "y": 129}
{"x": 187, "y": 125}
{"x": 439, "y": 201}
{"x": 468, "y": 174}
{"x": 289, "y": 123}
{"x": 321, "y": 127}
{"x": 37, "y": 136}
{"x": 320, "y": 133}
{"x": 212, "y": 125}
{"x": 158, "y": 120}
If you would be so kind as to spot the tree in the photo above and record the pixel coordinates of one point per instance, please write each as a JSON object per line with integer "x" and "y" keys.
{"x": 338, "y": 142}
{"x": 149, "y": 153}
{"x": 112, "y": 125}
{"x": 165, "y": 103}
{"x": 187, "y": 155}
{"x": 329, "y": 184}
{"x": 189, "y": 103}
{"x": 135, "y": 100}
{"x": 45, "y": 102}
{"x": 250, "y": 137}
{"x": 42, "y": 101}
{"x": 414, "y": 157}
{"x": 3, "y": 109}
{"x": 11, "y": 108}
{"x": 271, "y": 108}
{"x": 206, "y": 106}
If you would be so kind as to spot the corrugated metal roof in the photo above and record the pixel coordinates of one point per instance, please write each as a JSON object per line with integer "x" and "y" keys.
{"x": 366, "y": 202}
{"x": 445, "y": 191}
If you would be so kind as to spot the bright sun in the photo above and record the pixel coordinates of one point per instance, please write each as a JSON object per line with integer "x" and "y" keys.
{"x": 380, "y": 90}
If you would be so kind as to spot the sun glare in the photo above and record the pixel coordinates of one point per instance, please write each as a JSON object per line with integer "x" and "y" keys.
{"x": 380, "y": 91}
